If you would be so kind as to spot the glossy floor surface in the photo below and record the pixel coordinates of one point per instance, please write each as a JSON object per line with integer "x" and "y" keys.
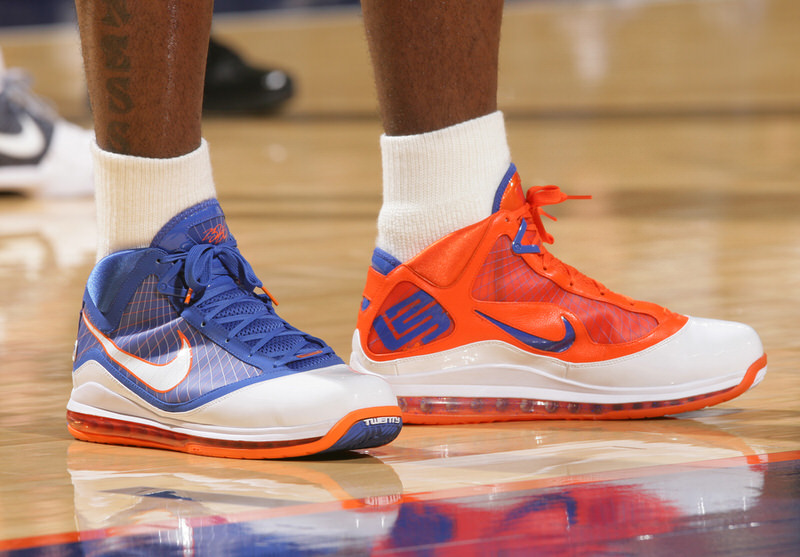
{"x": 681, "y": 118}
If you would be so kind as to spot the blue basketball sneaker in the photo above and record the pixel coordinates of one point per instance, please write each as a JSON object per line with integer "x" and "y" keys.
{"x": 176, "y": 351}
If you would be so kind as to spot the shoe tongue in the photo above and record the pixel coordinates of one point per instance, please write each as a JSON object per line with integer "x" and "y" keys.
{"x": 203, "y": 223}
{"x": 509, "y": 196}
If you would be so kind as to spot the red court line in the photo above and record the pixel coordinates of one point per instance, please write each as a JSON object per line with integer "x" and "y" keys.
{"x": 316, "y": 508}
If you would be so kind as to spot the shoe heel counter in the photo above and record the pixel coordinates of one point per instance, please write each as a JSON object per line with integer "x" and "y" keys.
{"x": 109, "y": 275}
{"x": 113, "y": 282}
{"x": 370, "y": 302}
{"x": 85, "y": 344}
{"x": 108, "y": 290}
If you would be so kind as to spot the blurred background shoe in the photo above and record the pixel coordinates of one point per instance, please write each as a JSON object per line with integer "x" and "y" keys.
{"x": 234, "y": 86}
{"x": 40, "y": 152}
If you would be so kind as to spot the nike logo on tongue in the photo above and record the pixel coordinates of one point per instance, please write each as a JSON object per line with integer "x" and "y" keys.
{"x": 203, "y": 223}
{"x": 216, "y": 234}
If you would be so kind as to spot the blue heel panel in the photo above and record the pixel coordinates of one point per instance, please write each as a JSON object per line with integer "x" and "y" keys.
{"x": 384, "y": 262}
{"x": 501, "y": 189}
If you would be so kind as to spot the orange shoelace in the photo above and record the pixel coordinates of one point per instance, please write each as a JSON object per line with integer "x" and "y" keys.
{"x": 538, "y": 197}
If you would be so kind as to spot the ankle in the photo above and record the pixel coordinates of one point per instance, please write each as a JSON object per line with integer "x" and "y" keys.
{"x": 438, "y": 182}
{"x": 136, "y": 196}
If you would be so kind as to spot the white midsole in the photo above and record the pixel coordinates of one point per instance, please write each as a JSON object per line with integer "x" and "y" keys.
{"x": 533, "y": 393}
{"x": 495, "y": 369}
{"x": 450, "y": 383}
{"x": 96, "y": 392}
{"x": 128, "y": 411}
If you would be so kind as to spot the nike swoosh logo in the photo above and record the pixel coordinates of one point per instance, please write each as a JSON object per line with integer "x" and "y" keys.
{"x": 159, "y": 377}
{"x": 28, "y": 143}
{"x": 533, "y": 341}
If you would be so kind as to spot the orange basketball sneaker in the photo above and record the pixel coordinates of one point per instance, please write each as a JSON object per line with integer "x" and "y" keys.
{"x": 486, "y": 325}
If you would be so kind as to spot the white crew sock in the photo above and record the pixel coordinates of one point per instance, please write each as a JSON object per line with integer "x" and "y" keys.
{"x": 437, "y": 182}
{"x": 136, "y": 196}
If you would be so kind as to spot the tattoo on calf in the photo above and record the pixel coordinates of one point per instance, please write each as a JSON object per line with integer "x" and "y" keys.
{"x": 114, "y": 45}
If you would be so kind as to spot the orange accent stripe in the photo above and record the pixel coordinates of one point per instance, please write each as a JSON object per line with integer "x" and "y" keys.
{"x": 301, "y": 356}
{"x": 274, "y": 301}
{"x": 117, "y": 432}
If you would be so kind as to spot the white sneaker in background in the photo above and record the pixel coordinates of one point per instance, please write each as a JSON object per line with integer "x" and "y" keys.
{"x": 40, "y": 152}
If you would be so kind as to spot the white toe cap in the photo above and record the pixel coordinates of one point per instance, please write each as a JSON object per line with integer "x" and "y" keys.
{"x": 308, "y": 397}
{"x": 703, "y": 352}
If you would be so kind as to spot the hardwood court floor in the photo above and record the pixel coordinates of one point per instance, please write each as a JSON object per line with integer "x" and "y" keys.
{"x": 694, "y": 168}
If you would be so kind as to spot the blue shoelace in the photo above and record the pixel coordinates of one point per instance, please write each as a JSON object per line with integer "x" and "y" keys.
{"x": 220, "y": 283}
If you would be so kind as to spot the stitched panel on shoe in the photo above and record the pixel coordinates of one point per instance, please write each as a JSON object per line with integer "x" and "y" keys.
{"x": 505, "y": 277}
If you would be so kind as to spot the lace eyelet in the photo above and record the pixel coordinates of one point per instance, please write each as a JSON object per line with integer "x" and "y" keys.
{"x": 203, "y": 324}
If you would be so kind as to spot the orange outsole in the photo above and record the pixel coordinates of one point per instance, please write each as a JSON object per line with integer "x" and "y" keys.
{"x": 98, "y": 429}
{"x": 456, "y": 410}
